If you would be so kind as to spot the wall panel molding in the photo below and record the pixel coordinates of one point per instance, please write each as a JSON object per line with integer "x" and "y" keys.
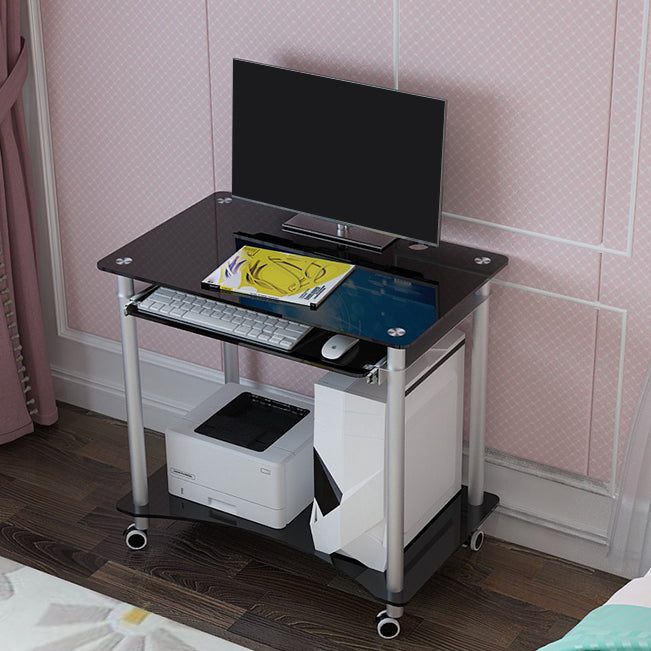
{"x": 599, "y": 248}
{"x": 623, "y": 314}
{"x": 622, "y": 164}
{"x": 625, "y": 129}
{"x": 41, "y": 143}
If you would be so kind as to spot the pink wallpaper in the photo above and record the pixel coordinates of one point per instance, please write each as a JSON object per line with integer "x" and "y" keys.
{"x": 528, "y": 87}
{"x": 547, "y": 160}
{"x": 130, "y": 107}
{"x": 351, "y": 39}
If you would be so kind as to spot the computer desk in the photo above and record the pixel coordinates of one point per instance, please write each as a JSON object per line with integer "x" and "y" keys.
{"x": 400, "y": 304}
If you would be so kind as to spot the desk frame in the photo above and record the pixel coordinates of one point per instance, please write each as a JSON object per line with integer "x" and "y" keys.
{"x": 394, "y": 439}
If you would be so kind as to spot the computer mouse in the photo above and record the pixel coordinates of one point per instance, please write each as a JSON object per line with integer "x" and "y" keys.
{"x": 337, "y": 345}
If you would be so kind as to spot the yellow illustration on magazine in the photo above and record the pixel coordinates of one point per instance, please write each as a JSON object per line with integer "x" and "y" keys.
{"x": 286, "y": 276}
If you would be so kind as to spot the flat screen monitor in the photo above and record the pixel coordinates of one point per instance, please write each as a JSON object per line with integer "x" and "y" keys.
{"x": 353, "y": 160}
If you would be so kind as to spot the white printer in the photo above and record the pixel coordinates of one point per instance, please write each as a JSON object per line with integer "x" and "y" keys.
{"x": 253, "y": 459}
{"x": 348, "y": 514}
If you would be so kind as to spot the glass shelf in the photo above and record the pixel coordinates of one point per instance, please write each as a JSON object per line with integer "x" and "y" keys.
{"x": 423, "y": 556}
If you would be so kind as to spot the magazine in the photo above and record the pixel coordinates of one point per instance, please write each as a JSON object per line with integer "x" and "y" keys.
{"x": 283, "y": 276}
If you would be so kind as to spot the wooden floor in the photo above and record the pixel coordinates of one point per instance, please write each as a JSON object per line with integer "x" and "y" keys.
{"x": 58, "y": 488}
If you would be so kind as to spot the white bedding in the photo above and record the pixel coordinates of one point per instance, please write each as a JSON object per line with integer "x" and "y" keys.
{"x": 635, "y": 593}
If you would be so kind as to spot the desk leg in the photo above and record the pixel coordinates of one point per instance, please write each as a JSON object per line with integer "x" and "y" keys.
{"x": 479, "y": 357}
{"x": 395, "y": 477}
{"x": 135, "y": 428}
{"x": 231, "y": 363}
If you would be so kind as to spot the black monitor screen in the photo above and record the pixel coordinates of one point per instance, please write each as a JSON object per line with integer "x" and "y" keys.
{"x": 351, "y": 153}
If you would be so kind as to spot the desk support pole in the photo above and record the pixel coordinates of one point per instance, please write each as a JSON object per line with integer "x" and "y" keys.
{"x": 133, "y": 395}
{"x": 395, "y": 477}
{"x": 231, "y": 363}
{"x": 479, "y": 358}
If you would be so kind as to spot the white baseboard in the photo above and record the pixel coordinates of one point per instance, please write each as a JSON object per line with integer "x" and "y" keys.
{"x": 549, "y": 510}
{"x": 540, "y": 507}
{"x": 92, "y": 377}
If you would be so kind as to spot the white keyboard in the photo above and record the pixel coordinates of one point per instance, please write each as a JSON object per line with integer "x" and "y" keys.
{"x": 266, "y": 329}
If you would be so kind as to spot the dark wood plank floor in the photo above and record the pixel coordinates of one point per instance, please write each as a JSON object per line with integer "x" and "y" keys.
{"x": 58, "y": 489}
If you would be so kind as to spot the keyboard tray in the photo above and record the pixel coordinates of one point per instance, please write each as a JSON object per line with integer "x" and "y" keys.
{"x": 358, "y": 362}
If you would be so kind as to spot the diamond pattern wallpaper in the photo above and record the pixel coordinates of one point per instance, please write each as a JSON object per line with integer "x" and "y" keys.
{"x": 548, "y": 160}
{"x": 528, "y": 86}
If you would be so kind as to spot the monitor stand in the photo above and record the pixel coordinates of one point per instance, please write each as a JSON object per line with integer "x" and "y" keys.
{"x": 333, "y": 232}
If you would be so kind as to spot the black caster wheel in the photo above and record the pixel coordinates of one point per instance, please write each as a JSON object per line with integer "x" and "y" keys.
{"x": 387, "y": 627}
{"x": 135, "y": 538}
{"x": 476, "y": 540}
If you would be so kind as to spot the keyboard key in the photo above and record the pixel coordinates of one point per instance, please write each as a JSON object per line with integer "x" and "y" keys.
{"x": 207, "y": 321}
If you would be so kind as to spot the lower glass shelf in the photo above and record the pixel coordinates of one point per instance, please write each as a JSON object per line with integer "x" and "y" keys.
{"x": 424, "y": 555}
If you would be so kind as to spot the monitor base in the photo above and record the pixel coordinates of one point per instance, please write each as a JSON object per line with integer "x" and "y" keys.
{"x": 332, "y": 232}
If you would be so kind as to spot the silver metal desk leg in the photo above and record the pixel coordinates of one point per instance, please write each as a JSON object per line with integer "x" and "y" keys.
{"x": 133, "y": 395}
{"x": 479, "y": 358}
{"x": 231, "y": 363}
{"x": 395, "y": 476}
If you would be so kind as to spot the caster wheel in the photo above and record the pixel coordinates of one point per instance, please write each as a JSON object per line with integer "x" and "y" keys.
{"x": 387, "y": 627}
{"x": 476, "y": 540}
{"x": 135, "y": 538}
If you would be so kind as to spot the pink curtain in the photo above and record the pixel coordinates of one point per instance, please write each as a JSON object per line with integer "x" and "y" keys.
{"x": 26, "y": 393}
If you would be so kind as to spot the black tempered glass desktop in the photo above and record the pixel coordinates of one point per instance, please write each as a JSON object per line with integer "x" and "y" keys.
{"x": 401, "y": 299}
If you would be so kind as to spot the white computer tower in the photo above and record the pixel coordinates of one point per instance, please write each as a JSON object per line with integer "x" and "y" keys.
{"x": 270, "y": 486}
{"x": 348, "y": 513}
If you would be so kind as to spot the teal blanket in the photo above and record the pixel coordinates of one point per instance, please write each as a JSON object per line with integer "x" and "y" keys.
{"x": 611, "y": 627}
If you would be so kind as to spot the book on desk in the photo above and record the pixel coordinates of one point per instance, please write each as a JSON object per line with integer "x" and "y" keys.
{"x": 288, "y": 277}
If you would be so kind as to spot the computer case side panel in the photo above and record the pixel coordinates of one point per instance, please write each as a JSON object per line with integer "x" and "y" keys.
{"x": 349, "y": 444}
